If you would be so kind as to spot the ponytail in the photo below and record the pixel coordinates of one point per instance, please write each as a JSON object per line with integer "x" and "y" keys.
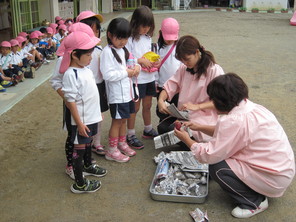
{"x": 118, "y": 59}
{"x": 206, "y": 59}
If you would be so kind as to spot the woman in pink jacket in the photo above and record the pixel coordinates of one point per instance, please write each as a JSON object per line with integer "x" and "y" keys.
{"x": 191, "y": 81}
{"x": 250, "y": 156}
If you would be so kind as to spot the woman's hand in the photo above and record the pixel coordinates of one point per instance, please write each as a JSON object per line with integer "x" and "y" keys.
{"x": 192, "y": 125}
{"x": 162, "y": 107}
{"x": 182, "y": 135}
{"x": 190, "y": 106}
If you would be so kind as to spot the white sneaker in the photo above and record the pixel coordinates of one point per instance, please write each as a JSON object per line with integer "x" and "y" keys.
{"x": 246, "y": 213}
{"x": 70, "y": 172}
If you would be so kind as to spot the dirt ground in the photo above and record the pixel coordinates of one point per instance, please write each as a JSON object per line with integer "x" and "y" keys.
{"x": 261, "y": 48}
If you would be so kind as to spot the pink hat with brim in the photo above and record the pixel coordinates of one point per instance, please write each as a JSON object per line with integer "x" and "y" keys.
{"x": 23, "y": 34}
{"x": 54, "y": 27}
{"x": 5, "y": 44}
{"x": 20, "y": 39}
{"x": 63, "y": 27}
{"x": 61, "y": 22}
{"x": 57, "y": 18}
{"x": 170, "y": 29}
{"x": 14, "y": 42}
{"x": 77, "y": 27}
{"x": 76, "y": 40}
{"x": 38, "y": 33}
{"x": 88, "y": 14}
{"x": 34, "y": 35}
{"x": 49, "y": 30}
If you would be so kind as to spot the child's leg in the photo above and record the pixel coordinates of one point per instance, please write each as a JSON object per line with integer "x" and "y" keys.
{"x": 122, "y": 145}
{"x": 132, "y": 140}
{"x": 149, "y": 132}
{"x": 96, "y": 145}
{"x": 112, "y": 152}
{"x": 78, "y": 154}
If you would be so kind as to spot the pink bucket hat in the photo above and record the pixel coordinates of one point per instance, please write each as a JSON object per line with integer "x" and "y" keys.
{"x": 76, "y": 40}
{"x": 5, "y": 44}
{"x": 170, "y": 29}
{"x": 61, "y": 22}
{"x": 23, "y": 34}
{"x": 63, "y": 27}
{"x": 20, "y": 39}
{"x": 34, "y": 35}
{"x": 14, "y": 42}
{"x": 77, "y": 27}
{"x": 49, "y": 30}
{"x": 88, "y": 14}
{"x": 54, "y": 27}
{"x": 58, "y": 18}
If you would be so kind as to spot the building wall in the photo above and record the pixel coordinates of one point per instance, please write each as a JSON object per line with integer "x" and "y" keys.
{"x": 265, "y": 4}
{"x": 107, "y": 6}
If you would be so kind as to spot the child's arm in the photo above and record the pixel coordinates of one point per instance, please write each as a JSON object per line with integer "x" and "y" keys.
{"x": 82, "y": 129}
{"x": 200, "y": 106}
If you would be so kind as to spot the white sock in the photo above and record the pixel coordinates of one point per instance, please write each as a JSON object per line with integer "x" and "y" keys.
{"x": 148, "y": 128}
{"x": 97, "y": 137}
{"x": 131, "y": 132}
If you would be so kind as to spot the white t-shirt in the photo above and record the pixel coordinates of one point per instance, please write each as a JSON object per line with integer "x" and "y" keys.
{"x": 118, "y": 84}
{"x": 169, "y": 67}
{"x": 5, "y": 61}
{"x": 16, "y": 58}
{"x": 138, "y": 48}
{"x": 79, "y": 86}
{"x": 95, "y": 64}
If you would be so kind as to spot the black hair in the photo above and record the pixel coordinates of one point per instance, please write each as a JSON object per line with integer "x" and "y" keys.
{"x": 227, "y": 91}
{"x": 80, "y": 52}
{"x": 93, "y": 21}
{"x": 188, "y": 45}
{"x": 121, "y": 29}
{"x": 43, "y": 30}
{"x": 142, "y": 16}
{"x": 161, "y": 43}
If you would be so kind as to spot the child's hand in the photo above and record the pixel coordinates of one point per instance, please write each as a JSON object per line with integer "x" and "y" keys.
{"x": 190, "y": 106}
{"x": 145, "y": 63}
{"x": 83, "y": 130}
{"x": 137, "y": 70}
{"x": 157, "y": 64}
{"x": 130, "y": 72}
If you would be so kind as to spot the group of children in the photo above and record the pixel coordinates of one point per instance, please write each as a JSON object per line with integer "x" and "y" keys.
{"x": 121, "y": 77}
{"x": 22, "y": 56}
{"x": 122, "y": 85}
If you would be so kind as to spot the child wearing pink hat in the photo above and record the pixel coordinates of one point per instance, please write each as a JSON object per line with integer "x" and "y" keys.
{"x": 80, "y": 93}
{"x": 168, "y": 37}
{"x": 94, "y": 22}
{"x": 16, "y": 58}
{"x": 57, "y": 83}
{"x": 33, "y": 46}
{"x": 6, "y": 62}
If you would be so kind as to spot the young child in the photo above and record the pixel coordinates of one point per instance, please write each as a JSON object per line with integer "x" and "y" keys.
{"x": 142, "y": 24}
{"x": 250, "y": 155}
{"x": 16, "y": 58}
{"x": 33, "y": 46}
{"x": 6, "y": 63}
{"x": 167, "y": 40}
{"x": 190, "y": 81}
{"x": 57, "y": 84}
{"x": 118, "y": 83}
{"x": 80, "y": 93}
{"x": 94, "y": 21}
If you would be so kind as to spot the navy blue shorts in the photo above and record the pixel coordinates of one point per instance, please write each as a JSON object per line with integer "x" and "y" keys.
{"x": 122, "y": 110}
{"x": 76, "y": 138}
{"x": 146, "y": 89}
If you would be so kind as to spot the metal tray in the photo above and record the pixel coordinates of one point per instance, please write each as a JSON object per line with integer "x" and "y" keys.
{"x": 178, "y": 198}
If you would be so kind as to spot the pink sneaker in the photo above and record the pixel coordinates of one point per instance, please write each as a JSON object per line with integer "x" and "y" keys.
{"x": 116, "y": 155}
{"x": 125, "y": 149}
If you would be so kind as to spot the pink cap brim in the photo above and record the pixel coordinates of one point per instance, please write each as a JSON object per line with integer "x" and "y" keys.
{"x": 170, "y": 37}
{"x": 67, "y": 53}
